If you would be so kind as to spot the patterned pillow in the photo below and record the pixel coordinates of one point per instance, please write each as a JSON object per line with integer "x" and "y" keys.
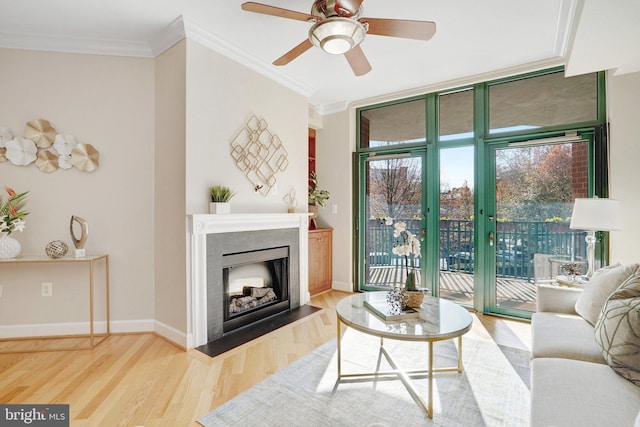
{"x": 618, "y": 329}
{"x": 602, "y": 283}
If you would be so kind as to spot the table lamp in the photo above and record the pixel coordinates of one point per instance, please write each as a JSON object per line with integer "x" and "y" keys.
{"x": 595, "y": 215}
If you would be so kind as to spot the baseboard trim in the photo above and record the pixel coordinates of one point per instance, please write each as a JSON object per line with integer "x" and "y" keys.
{"x": 74, "y": 328}
{"x": 170, "y": 333}
{"x": 342, "y": 286}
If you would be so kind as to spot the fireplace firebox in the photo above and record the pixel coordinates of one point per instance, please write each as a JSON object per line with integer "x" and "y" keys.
{"x": 246, "y": 261}
{"x": 255, "y": 285}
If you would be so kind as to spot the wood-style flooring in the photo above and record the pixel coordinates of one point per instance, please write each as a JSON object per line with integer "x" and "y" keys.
{"x": 143, "y": 380}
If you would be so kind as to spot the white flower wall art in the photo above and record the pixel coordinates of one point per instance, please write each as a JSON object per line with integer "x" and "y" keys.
{"x": 46, "y": 147}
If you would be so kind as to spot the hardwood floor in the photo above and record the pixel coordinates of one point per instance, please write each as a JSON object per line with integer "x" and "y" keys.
{"x": 143, "y": 380}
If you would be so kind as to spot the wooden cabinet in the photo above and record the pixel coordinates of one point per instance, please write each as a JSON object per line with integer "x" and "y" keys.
{"x": 320, "y": 267}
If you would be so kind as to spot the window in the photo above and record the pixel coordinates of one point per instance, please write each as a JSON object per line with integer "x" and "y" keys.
{"x": 542, "y": 101}
{"x": 456, "y": 115}
{"x": 394, "y": 124}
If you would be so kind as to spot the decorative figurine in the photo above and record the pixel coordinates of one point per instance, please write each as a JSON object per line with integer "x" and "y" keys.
{"x": 56, "y": 249}
{"x": 79, "y": 243}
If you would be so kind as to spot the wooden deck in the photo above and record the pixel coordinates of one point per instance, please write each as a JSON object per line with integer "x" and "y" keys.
{"x": 513, "y": 293}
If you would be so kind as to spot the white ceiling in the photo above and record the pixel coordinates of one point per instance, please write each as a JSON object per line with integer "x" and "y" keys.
{"x": 473, "y": 38}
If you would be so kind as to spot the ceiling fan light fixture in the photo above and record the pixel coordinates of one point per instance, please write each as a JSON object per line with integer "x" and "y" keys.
{"x": 337, "y": 35}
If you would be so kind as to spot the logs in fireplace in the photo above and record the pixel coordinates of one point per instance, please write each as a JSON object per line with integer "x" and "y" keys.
{"x": 256, "y": 286}
{"x": 251, "y": 298}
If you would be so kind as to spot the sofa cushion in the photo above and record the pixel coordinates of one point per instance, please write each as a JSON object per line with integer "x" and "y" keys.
{"x": 571, "y": 393}
{"x": 617, "y": 331}
{"x": 565, "y": 336}
{"x": 557, "y": 299}
{"x": 600, "y": 286}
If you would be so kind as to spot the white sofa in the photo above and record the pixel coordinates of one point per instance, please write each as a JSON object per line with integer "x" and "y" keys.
{"x": 571, "y": 382}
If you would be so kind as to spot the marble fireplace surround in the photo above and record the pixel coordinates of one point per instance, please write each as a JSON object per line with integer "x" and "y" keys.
{"x": 201, "y": 227}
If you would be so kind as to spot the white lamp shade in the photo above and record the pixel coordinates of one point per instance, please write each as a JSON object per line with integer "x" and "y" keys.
{"x": 596, "y": 214}
{"x": 337, "y": 35}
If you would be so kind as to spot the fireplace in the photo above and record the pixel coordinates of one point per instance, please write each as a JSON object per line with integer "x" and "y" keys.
{"x": 246, "y": 261}
{"x": 213, "y": 236}
{"x": 255, "y": 285}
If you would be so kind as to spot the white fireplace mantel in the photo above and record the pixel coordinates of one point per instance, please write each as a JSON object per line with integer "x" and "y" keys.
{"x": 200, "y": 225}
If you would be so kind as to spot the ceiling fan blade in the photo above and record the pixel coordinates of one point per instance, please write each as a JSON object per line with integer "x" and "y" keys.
{"x": 276, "y": 11}
{"x": 419, "y": 30}
{"x": 293, "y": 53}
{"x": 358, "y": 61}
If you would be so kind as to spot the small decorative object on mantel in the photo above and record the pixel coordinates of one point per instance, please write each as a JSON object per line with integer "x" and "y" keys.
{"x": 56, "y": 249}
{"x": 317, "y": 198}
{"x": 220, "y": 197}
{"x": 407, "y": 245}
{"x": 11, "y": 219}
{"x": 79, "y": 242}
{"x": 259, "y": 154}
{"x": 48, "y": 149}
{"x": 290, "y": 200}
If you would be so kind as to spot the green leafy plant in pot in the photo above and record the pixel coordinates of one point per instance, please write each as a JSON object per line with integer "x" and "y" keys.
{"x": 317, "y": 198}
{"x": 220, "y": 197}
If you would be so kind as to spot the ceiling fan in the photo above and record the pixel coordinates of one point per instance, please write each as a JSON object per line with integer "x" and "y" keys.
{"x": 338, "y": 29}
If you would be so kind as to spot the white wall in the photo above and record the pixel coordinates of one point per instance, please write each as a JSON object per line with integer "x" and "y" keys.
{"x": 623, "y": 93}
{"x": 107, "y": 102}
{"x": 221, "y": 96}
{"x": 170, "y": 245}
{"x": 335, "y": 143}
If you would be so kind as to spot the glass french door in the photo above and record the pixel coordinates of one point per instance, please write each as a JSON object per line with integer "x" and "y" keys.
{"x": 456, "y": 224}
{"x": 393, "y": 185}
{"x": 532, "y": 188}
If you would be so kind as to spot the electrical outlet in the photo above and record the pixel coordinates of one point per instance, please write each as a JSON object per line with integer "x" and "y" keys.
{"x": 47, "y": 289}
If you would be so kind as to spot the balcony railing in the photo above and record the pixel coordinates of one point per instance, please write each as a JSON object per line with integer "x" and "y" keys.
{"x": 516, "y": 244}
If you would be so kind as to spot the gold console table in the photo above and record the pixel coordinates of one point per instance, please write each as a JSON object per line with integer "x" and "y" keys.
{"x": 94, "y": 338}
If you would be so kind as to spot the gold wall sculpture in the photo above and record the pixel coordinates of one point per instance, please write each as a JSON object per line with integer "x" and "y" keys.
{"x": 259, "y": 154}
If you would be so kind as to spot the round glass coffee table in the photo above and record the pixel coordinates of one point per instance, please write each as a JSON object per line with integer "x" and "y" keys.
{"x": 437, "y": 319}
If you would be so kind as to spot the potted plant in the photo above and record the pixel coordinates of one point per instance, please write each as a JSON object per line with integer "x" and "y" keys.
{"x": 407, "y": 246}
{"x": 220, "y": 197}
{"x": 317, "y": 198}
{"x": 11, "y": 219}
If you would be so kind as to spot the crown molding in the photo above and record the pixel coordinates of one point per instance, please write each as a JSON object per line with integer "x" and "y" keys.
{"x": 196, "y": 32}
{"x": 170, "y": 35}
{"x": 336, "y": 107}
{"x": 465, "y": 81}
{"x": 51, "y": 43}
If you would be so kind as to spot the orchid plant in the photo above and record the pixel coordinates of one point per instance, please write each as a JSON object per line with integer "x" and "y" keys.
{"x": 406, "y": 245}
{"x": 12, "y": 213}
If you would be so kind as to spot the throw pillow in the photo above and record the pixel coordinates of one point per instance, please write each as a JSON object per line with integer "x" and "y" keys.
{"x": 600, "y": 286}
{"x": 618, "y": 330}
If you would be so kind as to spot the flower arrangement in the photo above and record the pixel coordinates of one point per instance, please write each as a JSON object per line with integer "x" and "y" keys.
{"x": 316, "y": 195}
{"x": 11, "y": 213}
{"x": 408, "y": 246}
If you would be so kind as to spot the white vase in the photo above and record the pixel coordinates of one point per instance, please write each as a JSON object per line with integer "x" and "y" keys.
{"x": 9, "y": 247}
{"x": 219, "y": 208}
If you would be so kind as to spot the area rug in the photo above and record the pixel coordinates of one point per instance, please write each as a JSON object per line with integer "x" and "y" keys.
{"x": 492, "y": 390}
